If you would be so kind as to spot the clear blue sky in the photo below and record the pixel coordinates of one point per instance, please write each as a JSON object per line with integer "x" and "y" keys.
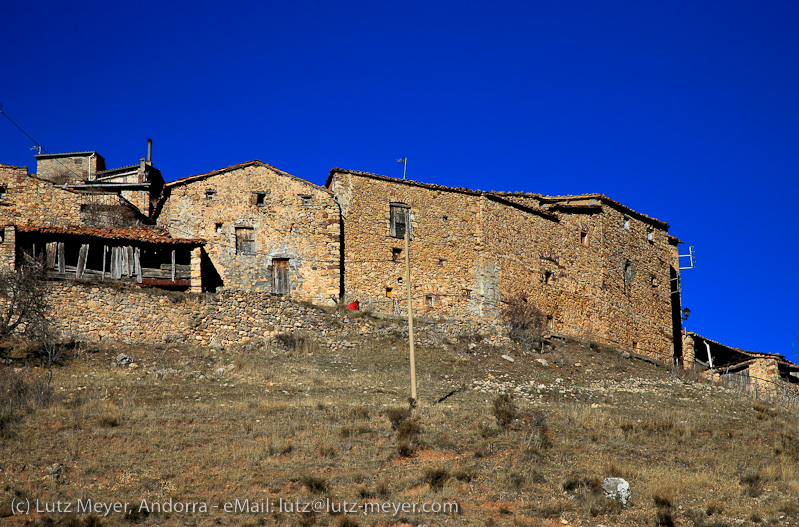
{"x": 686, "y": 111}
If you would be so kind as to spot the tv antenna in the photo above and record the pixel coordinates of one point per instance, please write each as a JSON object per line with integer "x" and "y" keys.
{"x": 37, "y": 148}
{"x": 404, "y": 161}
{"x": 691, "y": 259}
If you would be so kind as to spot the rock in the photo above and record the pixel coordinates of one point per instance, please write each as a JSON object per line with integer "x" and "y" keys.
{"x": 617, "y": 489}
{"x": 543, "y": 362}
{"x": 123, "y": 360}
{"x": 508, "y": 358}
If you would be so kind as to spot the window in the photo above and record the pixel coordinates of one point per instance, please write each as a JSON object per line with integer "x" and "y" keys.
{"x": 3, "y": 191}
{"x": 650, "y": 234}
{"x": 210, "y": 194}
{"x": 400, "y": 214}
{"x": 429, "y": 300}
{"x": 218, "y": 227}
{"x": 467, "y": 293}
{"x": 547, "y": 277}
{"x": 388, "y": 292}
{"x": 280, "y": 275}
{"x": 306, "y": 200}
{"x": 245, "y": 241}
{"x": 626, "y": 223}
{"x": 583, "y": 238}
{"x": 396, "y": 254}
{"x": 260, "y": 199}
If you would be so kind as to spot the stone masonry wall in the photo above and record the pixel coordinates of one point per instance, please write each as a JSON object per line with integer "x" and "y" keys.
{"x": 33, "y": 201}
{"x": 129, "y": 314}
{"x": 447, "y": 271}
{"x": 471, "y": 251}
{"x": 295, "y": 220}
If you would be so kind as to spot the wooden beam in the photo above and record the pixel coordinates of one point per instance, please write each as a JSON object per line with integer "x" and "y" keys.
{"x": 173, "y": 265}
{"x": 61, "y": 263}
{"x": 84, "y": 251}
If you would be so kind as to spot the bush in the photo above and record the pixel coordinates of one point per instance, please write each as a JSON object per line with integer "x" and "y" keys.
{"x": 23, "y": 300}
{"x": 504, "y": 410}
{"x": 524, "y": 321}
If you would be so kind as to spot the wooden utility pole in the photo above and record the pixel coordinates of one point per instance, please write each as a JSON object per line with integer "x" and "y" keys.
{"x": 410, "y": 304}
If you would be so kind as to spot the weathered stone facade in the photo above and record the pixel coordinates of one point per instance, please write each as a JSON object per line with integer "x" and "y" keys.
{"x": 593, "y": 267}
{"x": 30, "y": 200}
{"x": 265, "y": 230}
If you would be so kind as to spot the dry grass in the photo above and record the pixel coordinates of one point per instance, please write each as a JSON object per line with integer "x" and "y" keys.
{"x": 216, "y": 425}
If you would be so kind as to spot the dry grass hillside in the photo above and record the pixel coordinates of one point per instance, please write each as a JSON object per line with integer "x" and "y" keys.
{"x": 203, "y": 426}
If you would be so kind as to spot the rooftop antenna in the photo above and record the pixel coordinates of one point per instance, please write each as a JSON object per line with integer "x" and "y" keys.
{"x": 404, "y": 162}
{"x": 37, "y": 148}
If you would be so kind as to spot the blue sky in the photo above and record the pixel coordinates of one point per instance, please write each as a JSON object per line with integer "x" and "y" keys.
{"x": 686, "y": 111}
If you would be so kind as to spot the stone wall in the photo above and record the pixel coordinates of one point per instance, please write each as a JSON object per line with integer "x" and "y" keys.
{"x": 288, "y": 219}
{"x": 594, "y": 269}
{"x": 33, "y": 201}
{"x": 129, "y": 314}
{"x": 69, "y": 168}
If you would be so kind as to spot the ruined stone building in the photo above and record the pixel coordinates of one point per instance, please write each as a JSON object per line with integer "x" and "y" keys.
{"x": 592, "y": 266}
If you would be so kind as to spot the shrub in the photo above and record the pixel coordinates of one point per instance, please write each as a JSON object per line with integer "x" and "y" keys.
{"x": 524, "y": 321}
{"x": 504, "y": 410}
{"x": 314, "y": 484}
{"x": 436, "y": 477}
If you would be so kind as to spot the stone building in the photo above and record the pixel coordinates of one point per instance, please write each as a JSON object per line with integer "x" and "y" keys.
{"x": 593, "y": 267}
{"x": 265, "y": 230}
{"x": 82, "y": 221}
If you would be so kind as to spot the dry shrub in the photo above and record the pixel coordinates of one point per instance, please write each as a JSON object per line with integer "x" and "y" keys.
{"x": 505, "y": 410}
{"x": 753, "y": 483}
{"x": 665, "y": 509}
{"x": 436, "y": 477}
{"x": 524, "y": 321}
{"x": 314, "y": 484}
{"x": 539, "y": 435}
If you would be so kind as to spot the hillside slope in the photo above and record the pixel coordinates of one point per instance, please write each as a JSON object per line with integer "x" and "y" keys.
{"x": 185, "y": 427}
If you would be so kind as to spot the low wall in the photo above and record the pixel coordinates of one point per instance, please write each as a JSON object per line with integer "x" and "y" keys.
{"x": 129, "y": 314}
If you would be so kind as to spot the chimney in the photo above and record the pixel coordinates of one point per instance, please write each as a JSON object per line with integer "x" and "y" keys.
{"x": 150, "y": 152}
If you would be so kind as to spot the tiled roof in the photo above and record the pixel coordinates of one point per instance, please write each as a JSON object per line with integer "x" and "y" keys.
{"x": 138, "y": 234}
{"x": 255, "y": 162}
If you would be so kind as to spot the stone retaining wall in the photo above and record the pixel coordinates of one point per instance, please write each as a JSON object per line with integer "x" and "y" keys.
{"x": 129, "y": 314}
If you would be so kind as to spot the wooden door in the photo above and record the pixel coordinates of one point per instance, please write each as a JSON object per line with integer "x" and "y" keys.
{"x": 280, "y": 275}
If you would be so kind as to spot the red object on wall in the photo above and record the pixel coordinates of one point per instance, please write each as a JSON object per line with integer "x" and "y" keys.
{"x": 354, "y": 306}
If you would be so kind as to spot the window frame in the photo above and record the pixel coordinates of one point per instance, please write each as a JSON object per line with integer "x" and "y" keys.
{"x": 245, "y": 245}
{"x": 397, "y": 210}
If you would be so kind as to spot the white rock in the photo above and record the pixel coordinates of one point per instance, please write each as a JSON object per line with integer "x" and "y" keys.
{"x": 508, "y": 358}
{"x": 617, "y": 489}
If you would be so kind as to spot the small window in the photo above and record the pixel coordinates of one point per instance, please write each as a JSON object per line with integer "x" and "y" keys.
{"x": 396, "y": 254}
{"x": 444, "y": 217}
{"x": 306, "y": 200}
{"x": 210, "y": 194}
{"x": 467, "y": 293}
{"x": 3, "y": 191}
{"x": 547, "y": 277}
{"x": 260, "y": 199}
{"x": 245, "y": 241}
{"x": 218, "y": 228}
{"x": 388, "y": 292}
{"x": 400, "y": 214}
{"x": 429, "y": 300}
{"x": 583, "y": 238}
{"x": 626, "y": 223}
{"x": 650, "y": 234}
{"x": 441, "y": 262}
{"x": 653, "y": 281}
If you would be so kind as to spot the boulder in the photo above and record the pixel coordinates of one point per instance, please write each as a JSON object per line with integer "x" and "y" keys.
{"x": 617, "y": 489}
